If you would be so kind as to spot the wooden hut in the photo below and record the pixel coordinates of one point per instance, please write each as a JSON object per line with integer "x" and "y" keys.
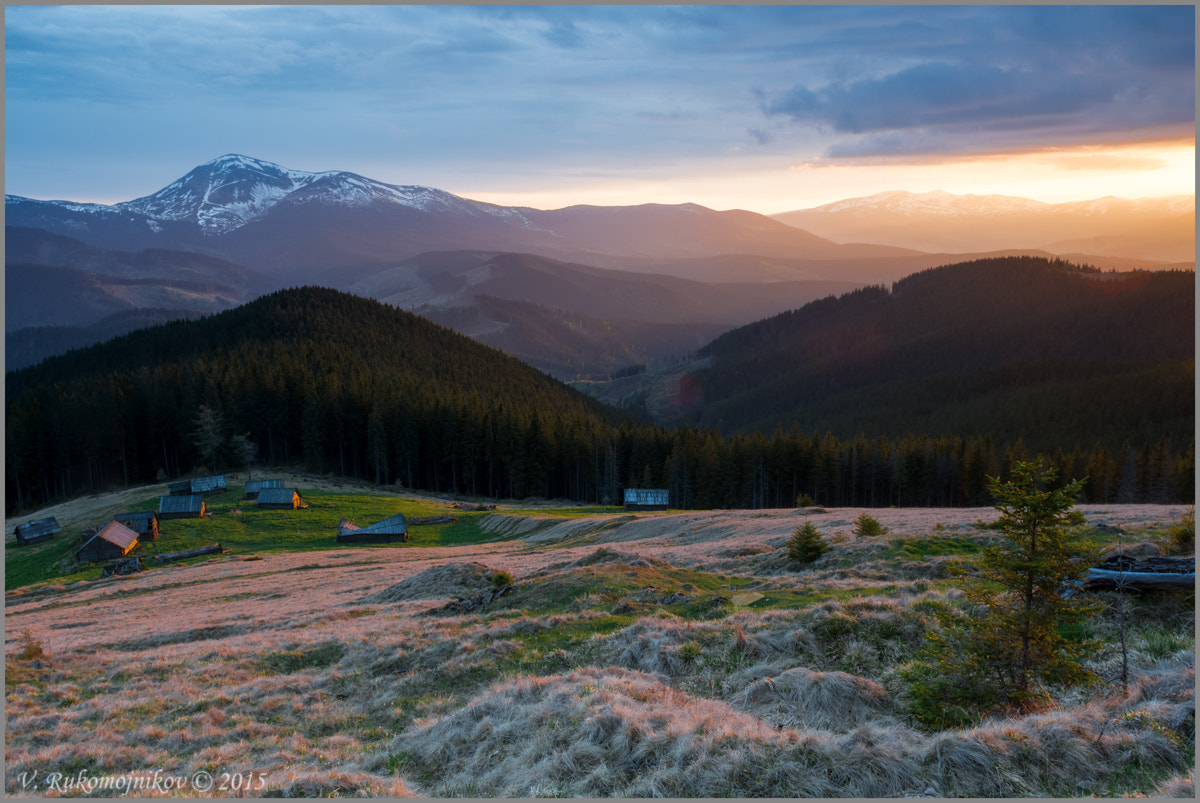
{"x": 254, "y": 487}
{"x": 114, "y": 541}
{"x": 280, "y": 499}
{"x": 180, "y": 507}
{"x": 142, "y": 522}
{"x": 40, "y": 530}
{"x": 209, "y": 485}
{"x": 647, "y": 498}
{"x": 198, "y": 485}
{"x": 381, "y": 532}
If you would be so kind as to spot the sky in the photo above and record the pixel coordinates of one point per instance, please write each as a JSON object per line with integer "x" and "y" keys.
{"x": 768, "y": 108}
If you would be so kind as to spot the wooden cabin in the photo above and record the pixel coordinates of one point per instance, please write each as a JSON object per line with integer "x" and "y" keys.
{"x": 180, "y": 507}
{"x": 209, "y": 485}
{"x": 647, "y": 498}
{"x": 254, "y": 487}
{"x": 198, "y": 485}
{"x": 386, "y": 531}
{"x": 142, "y": 522}
{"x": 114, "y": 541}
{"x": 40, "y": 530}
{"x": 280, "y": 499}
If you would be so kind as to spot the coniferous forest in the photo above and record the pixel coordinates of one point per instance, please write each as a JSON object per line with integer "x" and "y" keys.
{"x": 344, "y": 385}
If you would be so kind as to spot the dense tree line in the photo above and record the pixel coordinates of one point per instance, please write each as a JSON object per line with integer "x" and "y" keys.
{"x": 1042, "y": 350}
{"x": 348, "y": 386}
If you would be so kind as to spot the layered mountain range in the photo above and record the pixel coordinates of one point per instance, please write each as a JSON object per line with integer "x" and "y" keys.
{"x": 579, "y": 291}
{"x": 1155, "y": 229}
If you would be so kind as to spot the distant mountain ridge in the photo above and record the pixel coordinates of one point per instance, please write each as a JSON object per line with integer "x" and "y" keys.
{"x": 242, "y": 226}
{"x": 1157, "y": 229}
{"x": 334, "y": 225}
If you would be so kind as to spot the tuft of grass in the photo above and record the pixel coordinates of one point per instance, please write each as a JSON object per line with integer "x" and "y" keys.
{"x": 1181, "y": 537}
{"x": 319, "y": 655}
{"x": 921, "y": 548}
{"x": 31, "y": 648}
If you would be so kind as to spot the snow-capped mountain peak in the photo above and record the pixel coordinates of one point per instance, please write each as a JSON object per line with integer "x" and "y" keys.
{"x": 232, "y": 190}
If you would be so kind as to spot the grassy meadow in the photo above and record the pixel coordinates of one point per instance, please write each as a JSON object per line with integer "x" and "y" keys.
{"x": 671, "y": 654}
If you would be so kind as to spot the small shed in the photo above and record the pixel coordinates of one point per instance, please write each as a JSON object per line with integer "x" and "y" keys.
{"x": 114, "y": 541}
{"x": 142, "y": 522}
{"x": 198, "y": 485}
{"x": 40, "y": 530}
{"x": 253, "y": 487}
{"x": 386, "y": 531}
{"x": 180, "y": 507}
{"x": 208, "y": 485}
{"x": 647, "y": 498}
{"x": 280, "y": 498}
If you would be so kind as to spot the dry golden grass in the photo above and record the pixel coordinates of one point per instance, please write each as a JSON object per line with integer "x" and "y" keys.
{"x": 324, "y": 674}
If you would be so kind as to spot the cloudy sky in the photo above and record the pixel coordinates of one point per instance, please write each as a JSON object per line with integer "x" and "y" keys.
{"x": 768, "y": 108}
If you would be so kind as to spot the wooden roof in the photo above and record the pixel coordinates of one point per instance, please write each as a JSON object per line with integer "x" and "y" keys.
{"x": 392, "y": 524}
{"x": 256, "y": 486}
{"x": 206, "y": 484}
{"x": 119, "y": 535}
{"x": 39, "y": 527}
{"x": 136, "y": 515}
{"x": 277, "y": 496}
{"x": 193, "y": 503}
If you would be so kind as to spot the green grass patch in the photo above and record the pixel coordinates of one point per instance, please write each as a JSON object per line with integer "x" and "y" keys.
{"x": 241, "y": 527}
{"x": 940, "y": 545}
{"x": 319, "y": 655}
{"x": 601, "y": 586}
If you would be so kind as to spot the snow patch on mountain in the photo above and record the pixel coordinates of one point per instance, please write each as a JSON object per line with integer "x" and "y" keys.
{"x": 233, "y": 190}
{"x": 938, "y": 202}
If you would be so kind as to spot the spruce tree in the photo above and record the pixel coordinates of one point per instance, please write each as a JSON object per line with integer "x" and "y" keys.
{"x": 1025, "y": 585}
{"x": 1020, "y": 631}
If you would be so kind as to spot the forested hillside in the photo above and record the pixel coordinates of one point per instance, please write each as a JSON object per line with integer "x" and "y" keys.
{"x": 339, "y": 384}
{"x": 1017, "y": 348}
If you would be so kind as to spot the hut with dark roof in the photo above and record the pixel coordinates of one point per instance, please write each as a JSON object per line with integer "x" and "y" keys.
{"x": 198, "y": 485}
{"x": 209, "y": 485}
{"x": 280, "y": 499}
{"x": 386, "y": 531}
{"x": 40, "y": 530}
{"x": 647, "y": 498}
{"x": 142, "y": 522}
{"x": 180, "y": 507}
{"x": 114, "y": 541}
{"x": 254, "y": 487}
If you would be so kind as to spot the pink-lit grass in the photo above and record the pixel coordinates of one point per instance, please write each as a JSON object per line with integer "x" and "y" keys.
{"x": 279, "y": 667}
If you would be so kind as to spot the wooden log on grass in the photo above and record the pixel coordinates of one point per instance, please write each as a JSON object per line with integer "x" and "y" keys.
{"x": 211, "y": 549}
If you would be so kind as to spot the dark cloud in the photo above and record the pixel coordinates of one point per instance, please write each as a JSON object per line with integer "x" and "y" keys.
{"x": 1014, "y": 77}
{"x": 943, "y": 95}
{"x": 554, "y": 87}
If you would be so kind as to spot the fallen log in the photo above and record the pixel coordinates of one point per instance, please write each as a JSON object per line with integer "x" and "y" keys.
{"x": 1124, "y": 572}
{"x": 211, "y": 549}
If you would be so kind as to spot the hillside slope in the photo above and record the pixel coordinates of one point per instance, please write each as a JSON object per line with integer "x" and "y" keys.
{"x": 1013, "y": 348}
{"x": 308, "y": 374}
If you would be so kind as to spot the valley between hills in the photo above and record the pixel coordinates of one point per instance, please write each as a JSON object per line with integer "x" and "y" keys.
{"x": 675, "y": 653}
